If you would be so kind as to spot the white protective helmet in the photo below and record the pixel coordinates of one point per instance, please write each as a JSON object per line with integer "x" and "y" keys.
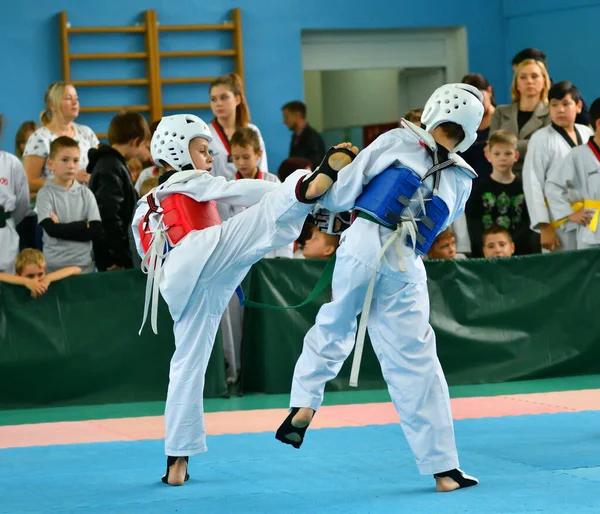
{"x": 171, "y": 139}
{"x": 457, "y": 103}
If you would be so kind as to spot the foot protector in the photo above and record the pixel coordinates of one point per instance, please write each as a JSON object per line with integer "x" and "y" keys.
{"x": 459, "y": 476}
{"x": 170, "y": 462}
{"x": 287, "y": 429}
{"x": 323, "y": 168}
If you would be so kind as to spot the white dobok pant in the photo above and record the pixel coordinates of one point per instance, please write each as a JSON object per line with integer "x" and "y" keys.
{"x": 404, "y": 343}
{"x": 245, "y": 238}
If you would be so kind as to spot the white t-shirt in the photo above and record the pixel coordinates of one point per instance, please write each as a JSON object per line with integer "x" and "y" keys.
{"x": 38, "y": 144}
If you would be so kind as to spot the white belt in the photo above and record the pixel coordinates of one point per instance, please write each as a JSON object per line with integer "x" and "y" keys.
{"x": 407, "y": 227}
{"x": 152, "y": 265}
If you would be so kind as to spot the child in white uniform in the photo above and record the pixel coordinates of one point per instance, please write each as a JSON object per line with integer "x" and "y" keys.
{"x": 578, "y": 173}
{"x": 407, "y": 188}
{"x": 198, "y": 262}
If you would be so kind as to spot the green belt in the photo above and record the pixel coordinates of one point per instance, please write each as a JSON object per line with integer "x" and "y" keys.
{"x": 323, "y": 282}
{"x": 368, "y": 217}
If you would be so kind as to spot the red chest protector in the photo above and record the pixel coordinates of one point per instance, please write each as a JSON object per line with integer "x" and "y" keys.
{"x": 180, "y": 215}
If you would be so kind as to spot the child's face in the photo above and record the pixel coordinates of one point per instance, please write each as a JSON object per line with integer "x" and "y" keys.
{"x": 317, "y": 246}
{"x": 563, "y": 112}
{"x": 64, "y": 164}
{"x": 223, "y": 102}
{"x": 33, "y": 271}
{"x": 200, "y": 153}
{"x": 245, "y": 159}
{"x": 502, "y": 156}
{"x": 498, "y": 245}
{"x": 530, "y": 80}
{"x": 443, "y": 248}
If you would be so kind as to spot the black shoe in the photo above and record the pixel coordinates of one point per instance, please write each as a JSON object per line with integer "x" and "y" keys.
{"x": 170, "y": 462}
{"x": 287, "y": 428}
{"x": 458, "y": 475}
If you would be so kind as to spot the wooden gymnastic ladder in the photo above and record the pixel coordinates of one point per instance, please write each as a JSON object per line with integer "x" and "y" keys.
{"x": 152, "y": 55}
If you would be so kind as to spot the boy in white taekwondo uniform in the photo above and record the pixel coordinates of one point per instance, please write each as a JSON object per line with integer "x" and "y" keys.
{"x": 579, "y": 172}
{"x": 197, "y": 262}
{"x": 407, "y": 188}
{"x": 547, "y": 146}
{"x": 14, "y": 204}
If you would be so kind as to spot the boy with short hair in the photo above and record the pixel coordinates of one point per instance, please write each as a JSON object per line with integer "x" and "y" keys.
{"x": 67, "y": 211}
{"x": 324, "y": 232}
{"x": 30, "y": 268}
{"x": 577, "y": 174}
{"x": 497, "y": 242}
{"x": 547, "y": 146}
{"x": 111, "y": 183}
{"x": 444, "y": 247}
{"x": 499, "y": 199}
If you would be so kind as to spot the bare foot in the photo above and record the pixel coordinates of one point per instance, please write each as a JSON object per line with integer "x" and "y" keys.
{"x": 302, "y": 419}
{"x": 177, "y": 472}
{"x": 321, "y": 184}
{"x": 445, "y": 485}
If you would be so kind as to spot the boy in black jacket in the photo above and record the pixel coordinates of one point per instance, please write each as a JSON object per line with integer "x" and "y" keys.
{"x": 111, "y": 183}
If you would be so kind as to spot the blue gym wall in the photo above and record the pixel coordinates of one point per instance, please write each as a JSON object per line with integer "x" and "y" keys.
{"x": 567, "y": 31}
{"x": 30, "y": 48}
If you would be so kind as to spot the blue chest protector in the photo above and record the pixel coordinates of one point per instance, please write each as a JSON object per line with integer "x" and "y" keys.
{"x": 388, "y": 196}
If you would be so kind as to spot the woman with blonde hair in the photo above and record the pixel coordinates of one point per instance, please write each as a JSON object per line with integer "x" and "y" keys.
{"x": 57, "y": 119}
{"x": 528, "y": 111}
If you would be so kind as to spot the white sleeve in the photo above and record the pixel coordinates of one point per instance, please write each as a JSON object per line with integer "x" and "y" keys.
{"x": 37, "y": 145}
{"x": 455, "y": 189}
{"x": 461, "y": 232}
{"x": 146, "y": 173}
{"x": 241, "y": 193}
{"x": 535, "y": 168}
{"x": 561, "y": 173}
{"x": 90, "y": 136}
{"x": 140, "y": 212}
{"x": 21, "y": 191}
{"x": 369, "y": 163}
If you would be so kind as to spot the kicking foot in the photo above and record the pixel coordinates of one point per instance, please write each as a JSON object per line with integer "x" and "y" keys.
{"x": 454, "y": 479}
{"x": 294, "y": 427}
{"x": 176, "y": 471}
{"x": 336, "y": 161}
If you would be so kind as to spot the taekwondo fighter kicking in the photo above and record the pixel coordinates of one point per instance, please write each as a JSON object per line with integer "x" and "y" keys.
{"x": 196, "y": 262}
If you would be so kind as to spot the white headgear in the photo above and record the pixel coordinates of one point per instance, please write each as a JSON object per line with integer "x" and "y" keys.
{"x": 171, "y": 140}
{"x": 457, "y": 103}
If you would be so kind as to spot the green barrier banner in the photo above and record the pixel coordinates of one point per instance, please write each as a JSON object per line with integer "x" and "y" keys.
{"x": 495, "y": 320}
{"x": 78, "y": 344}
